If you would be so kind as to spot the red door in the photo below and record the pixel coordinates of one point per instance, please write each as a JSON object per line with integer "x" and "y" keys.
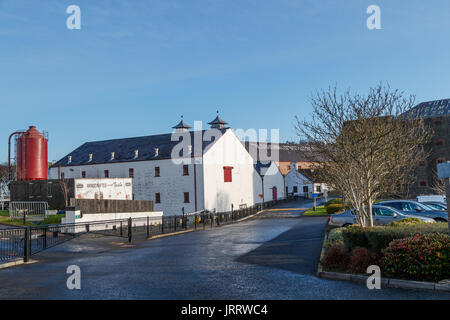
{"x": 274, "y": 193}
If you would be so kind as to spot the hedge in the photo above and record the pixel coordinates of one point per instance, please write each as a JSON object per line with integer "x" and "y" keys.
{"x": 421, "y": 257}
{"x": 378, "y": 238}
{"x": 333, "y": 208}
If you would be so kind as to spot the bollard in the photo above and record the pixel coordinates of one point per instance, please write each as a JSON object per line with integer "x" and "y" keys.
{"x": 121, "y": 229}
{"x": 27, "y": 245}
{"x": 130, "y": 232}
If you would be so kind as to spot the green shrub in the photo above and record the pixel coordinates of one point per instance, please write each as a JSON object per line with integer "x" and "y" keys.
{"x": 421, "y": 257}
{"x": 334, "y": 201}
{"x": 405, "y": 222}
{"x": 333, "y": 208}
{"x": 354, "y": 236}
{"x": 360, "y": 259}
{"x": 378, "y": 238}
{"x": 336, "y": 258}
{"x": 335, "y": 236}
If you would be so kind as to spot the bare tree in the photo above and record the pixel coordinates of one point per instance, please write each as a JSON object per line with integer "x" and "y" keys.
{"x": 363, "y": 145}
{"x": 65, "y": 189}
{"x": 437, "y": 185}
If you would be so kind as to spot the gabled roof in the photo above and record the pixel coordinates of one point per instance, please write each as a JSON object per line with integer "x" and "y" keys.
{"x": 156, "y": 147}
{"x": 429, "y": 109}
{"x": 262, "y": 168}
{"x": 312, "y": 175}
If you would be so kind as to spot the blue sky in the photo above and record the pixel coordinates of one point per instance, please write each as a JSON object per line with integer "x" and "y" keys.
{"x": 137, "y": 65}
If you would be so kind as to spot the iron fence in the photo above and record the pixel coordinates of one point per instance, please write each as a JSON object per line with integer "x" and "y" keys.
{"x": 23, "y": 242}
{"x": 20, "y": 209}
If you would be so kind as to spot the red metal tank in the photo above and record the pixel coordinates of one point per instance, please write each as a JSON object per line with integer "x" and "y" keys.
{"x": 31, "y": 156}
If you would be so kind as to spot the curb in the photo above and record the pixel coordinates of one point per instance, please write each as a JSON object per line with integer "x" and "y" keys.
{"x": 443, "y": 286}
{"x": 16, "y": 262}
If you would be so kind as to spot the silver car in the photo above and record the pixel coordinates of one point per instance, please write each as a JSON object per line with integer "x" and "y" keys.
{"x": 414, "y": 208}
{"x": 382, "y": 215}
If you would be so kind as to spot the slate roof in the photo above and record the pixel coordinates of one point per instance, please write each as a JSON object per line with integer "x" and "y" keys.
{"x": 311, "y": 174}
{"x": 287, "y": 152}
{"x": 430, "y": 109}
{"x": 124, "y": 150}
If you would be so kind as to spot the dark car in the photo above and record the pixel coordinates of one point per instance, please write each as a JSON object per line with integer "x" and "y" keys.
{"x": 415, "y": 208}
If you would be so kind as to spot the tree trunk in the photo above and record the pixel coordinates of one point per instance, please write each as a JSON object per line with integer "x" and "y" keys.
{"x": 369, "y": 211}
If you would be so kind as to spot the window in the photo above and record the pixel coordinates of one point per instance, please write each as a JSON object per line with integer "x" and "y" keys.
{"x": 156, "y": 171}
{"x": 157, "y": 198}
{"x": 185, "y": 170}
{"x": 295, "y": 189}
{"x": 383, "y": 212}
{"x": 422, "y": 183}
{"x": 186, "y": 197}
{"x": 227, "y": 174}
{"x": 422, "y": 163}
{"x": 83, "y": 174}
{"x": 131, "y": 173}
{"x": 106, "y": 173}
{"x": 305, "y": 189}
{"x": 318, "y": 189}
{"x": 438, "y": 121}
{"x": 439, "y": 160}
{"x": 439, "y": 142}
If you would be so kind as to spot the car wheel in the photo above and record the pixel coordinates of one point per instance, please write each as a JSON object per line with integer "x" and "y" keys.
{"x": 440, "y": 220}
{"x": 346, "y": 225}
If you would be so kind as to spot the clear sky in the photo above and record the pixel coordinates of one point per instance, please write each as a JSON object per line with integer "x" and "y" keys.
{"x": 136, "y": 66}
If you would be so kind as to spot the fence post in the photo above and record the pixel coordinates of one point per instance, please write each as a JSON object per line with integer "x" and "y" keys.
{"x": 195, "y": 221}
{"x": 130, "y": 233}
{"x": 121, "y": 229}
{"x": 44, "y": 244}
{"x": 162, "y": 224}
{"x": 175, "y": 223}
{"x": 27, "y": 244}
{"x": 24, "y": 217}
{"x": 148, "y": 227}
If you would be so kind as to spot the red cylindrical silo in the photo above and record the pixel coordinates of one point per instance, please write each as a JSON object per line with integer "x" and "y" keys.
{"x": 31, "y": 157}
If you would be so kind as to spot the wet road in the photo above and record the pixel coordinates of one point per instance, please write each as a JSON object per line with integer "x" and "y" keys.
{"x": 273, "y": 256}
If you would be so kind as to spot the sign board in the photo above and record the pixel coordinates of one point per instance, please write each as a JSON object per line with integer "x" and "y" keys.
{"x": 443, "y": 170}
{"x": 315, "y": 195}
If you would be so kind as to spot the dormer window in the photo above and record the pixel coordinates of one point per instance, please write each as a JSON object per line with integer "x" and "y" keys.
{"x": 91, "y": 156}
{"x": 112, "y": 155}
{"x": 69, "y": 161}
{"x": 136, "y": 154}
{"x": 156, "y": 152}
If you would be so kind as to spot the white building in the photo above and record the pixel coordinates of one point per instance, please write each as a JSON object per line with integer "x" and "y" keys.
{"x": 194, "y": 170}
{"x": 273, "y": 186}
{"x": 304, "y": 182}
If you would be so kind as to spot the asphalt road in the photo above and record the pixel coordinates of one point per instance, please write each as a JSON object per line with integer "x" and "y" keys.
{"x": 273, "y": 256}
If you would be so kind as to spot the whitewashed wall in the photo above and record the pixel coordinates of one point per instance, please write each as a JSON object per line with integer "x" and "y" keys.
{"x": 273, "y": 178}
{"x": 171, "y": 184}
{"x": 246, "y": 182}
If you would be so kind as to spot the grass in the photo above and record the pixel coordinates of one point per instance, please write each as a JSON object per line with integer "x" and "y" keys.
{"x": 4, "y": 213}
{"x": 320, "y": 211}
{"x": 53, "y": 219}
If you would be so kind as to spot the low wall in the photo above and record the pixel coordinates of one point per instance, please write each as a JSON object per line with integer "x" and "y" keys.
{"x": 91, "y": 206}
{"x": 105, "y": 221}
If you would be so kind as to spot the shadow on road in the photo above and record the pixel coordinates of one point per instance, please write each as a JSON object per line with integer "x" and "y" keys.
{"x": 296, "y": 250}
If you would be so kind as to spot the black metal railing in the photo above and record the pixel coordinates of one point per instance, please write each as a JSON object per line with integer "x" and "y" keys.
{"x": 23, "y": 242}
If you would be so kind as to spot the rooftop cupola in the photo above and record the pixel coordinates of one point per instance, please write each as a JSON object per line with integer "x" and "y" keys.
{"x": 218, "y": 123}
{"x": 181, "y": 126}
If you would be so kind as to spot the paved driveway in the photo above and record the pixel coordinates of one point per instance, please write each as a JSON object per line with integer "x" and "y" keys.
{"x": 269, "y": 257}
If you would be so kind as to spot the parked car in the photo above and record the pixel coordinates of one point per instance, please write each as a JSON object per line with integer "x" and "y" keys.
{"x": 436, "y": 205}
{"x": 415, "y": 208}
{"x": 382, "y": 215}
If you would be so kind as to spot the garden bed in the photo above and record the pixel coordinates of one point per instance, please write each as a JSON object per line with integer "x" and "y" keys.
{"x": 410, "y": 255}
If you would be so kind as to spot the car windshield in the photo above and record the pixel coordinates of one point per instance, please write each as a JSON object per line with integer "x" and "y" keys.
{"x": 436, "y": 206}
{"x": 425, "y": 207}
